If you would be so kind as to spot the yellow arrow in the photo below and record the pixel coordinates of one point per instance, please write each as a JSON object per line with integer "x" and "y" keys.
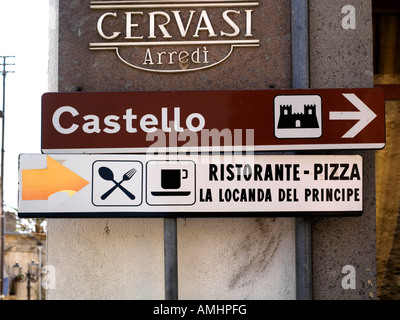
{"x": 40, "y": 184}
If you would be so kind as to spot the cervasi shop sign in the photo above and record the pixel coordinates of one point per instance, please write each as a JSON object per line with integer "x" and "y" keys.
{"x": 78, "y": 185}
{"x": 248, "y": 120}
{"x": 173, "y": 36}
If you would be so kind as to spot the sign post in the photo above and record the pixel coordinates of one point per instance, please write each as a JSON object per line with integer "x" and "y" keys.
{"x": 301, "y": 80}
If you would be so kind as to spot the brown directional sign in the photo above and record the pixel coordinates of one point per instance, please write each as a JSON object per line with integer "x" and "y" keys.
{"x": 255, "y": 120}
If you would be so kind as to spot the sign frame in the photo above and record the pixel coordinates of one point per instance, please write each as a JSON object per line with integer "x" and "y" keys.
{"x": 296, "y": 184}
{"x": 348, "y": 119}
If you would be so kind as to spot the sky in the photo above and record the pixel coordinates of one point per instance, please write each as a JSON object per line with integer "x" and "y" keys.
{"x": 24, "y": 34}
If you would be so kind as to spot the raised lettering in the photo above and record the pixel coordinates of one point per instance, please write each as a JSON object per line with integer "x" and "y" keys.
{"x": 183, "y": 30}
{"x": 208, "y": 27}
{"x": 147, "y": 58}
{"x": 232, "y": 24}
{"x": 100, "y": 26}
{"x": 152, "y": 27}
{"x": 130, "y": 25}
{"x": 248, "y": 23}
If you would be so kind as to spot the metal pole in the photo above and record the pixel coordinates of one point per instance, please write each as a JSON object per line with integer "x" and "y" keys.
{"x": 28, "y": 286}
{"x": 301, "y": 80}
{"x": 1, "y": 195}
{"x": 2, "y": 182}
{"x": 303, "y": 258}
{"x": 2, "y": 218}
{"x": 170, "y": 259}
{"x": 300, "y": 45}
{"x": 40, "y": 248}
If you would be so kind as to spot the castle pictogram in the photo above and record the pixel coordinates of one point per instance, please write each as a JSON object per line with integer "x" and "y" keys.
{"x": 290, "y": 120}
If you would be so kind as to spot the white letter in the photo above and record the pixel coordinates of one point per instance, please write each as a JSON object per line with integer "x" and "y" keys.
{"x": 100, "y": 26}
{"x": 177, "y": 119}
{"x": 93, "y": 126}
{"x": 231, "y": 24}
{"x": 56, "y": 120}
{"x": 349, "y": 280}
{"x": 349, "y": 21}
{"x": 208, "y": 26}
{"x": 189, "y": 122}
{"x": 148, "y": 120}
{"x": 129, "y": 117}
{"x": 130, "y": 25}
{"x": 115, "y": 127}
{"x": 164, "y": 120}
{"x": 161, "y": 26}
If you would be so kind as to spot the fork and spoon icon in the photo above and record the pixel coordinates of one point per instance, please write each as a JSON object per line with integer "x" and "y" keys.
{"x": 107, "y": 174}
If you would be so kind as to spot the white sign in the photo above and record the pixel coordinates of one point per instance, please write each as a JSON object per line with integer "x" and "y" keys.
{"x": 188, "y": 186}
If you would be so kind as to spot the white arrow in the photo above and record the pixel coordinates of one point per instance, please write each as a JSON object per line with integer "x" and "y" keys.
{"x": 365, "y": 115}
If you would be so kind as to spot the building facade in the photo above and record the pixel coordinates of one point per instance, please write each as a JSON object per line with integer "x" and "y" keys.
{"x": 229, "y": 258}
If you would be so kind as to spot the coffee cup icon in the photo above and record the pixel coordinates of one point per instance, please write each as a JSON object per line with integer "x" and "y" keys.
{"x": 171, "y": 183}
{"x": 171, "y": 179}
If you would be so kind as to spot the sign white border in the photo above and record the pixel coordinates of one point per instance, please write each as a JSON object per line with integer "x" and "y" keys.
{"x": 235, "y": 185}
